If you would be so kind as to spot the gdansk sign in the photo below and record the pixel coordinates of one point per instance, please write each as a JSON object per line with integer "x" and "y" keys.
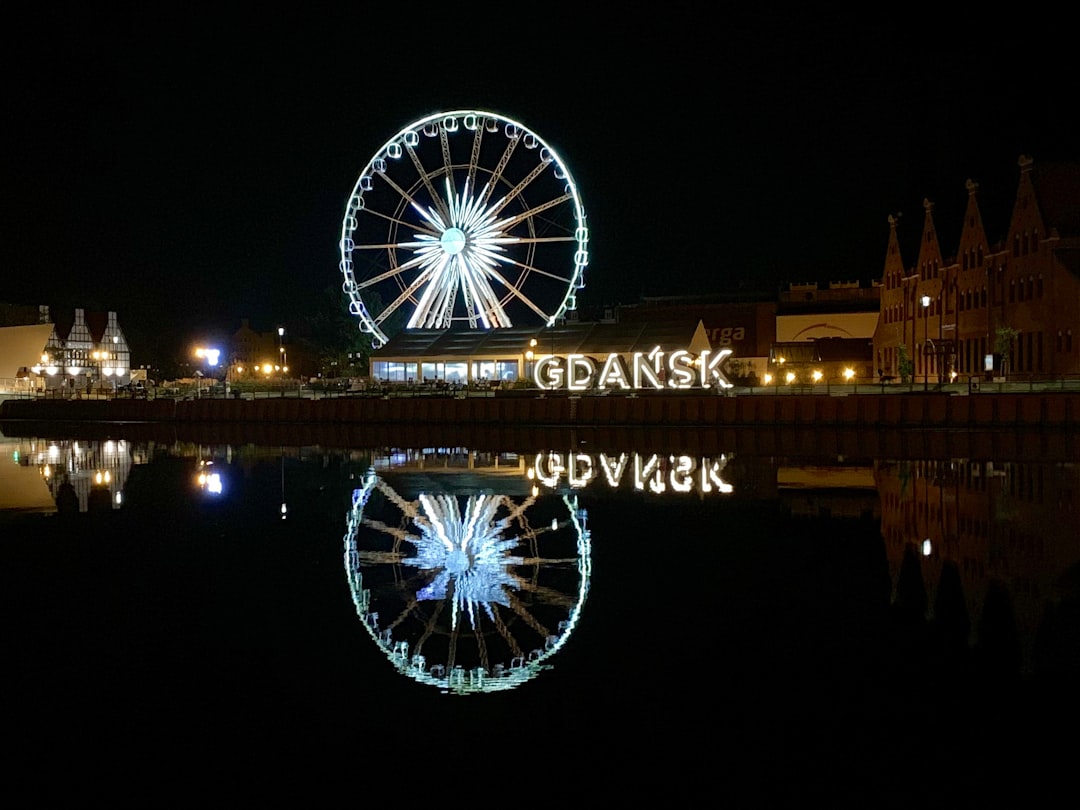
{"x": 654, "y": 474}
{"x": 658, "y": 370}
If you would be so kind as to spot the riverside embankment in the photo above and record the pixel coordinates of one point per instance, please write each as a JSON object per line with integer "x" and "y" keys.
{"x": 1054, "y": 410}
{"x": 909, "y": 425}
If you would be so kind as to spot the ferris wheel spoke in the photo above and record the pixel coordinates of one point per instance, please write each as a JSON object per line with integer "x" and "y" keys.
{"x": 519, "y": 189}
{"x": 474, "y": 160}
{"x": 398, "y": 221}
{"x": 425, "y": 179}
{"x": 515, "y": 290}
{"x": 480, "y": 293}
{"x": 522, "y": 610}
{"x": 507, "y": 637}
{"x": 393, "y": 272}
{"x": 529, "y": 269}
{"x": 548, "y": 596}
{"x": 500, "y": 168}
{"x": 481, "y": 648}
{"x": 405, "y": 295}
{"x": 433, "y": 308}
{"x": 408, "y": 609}
{"x": 532, "y": 213}
{"x": 451, "y": 658}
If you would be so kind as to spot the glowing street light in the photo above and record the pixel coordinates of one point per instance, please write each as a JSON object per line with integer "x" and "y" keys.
{"x": 925, "y": 326}
{"x": 211, "y": 356}
{"x": 529, "y": 359}
{"x": 281, "y": 357}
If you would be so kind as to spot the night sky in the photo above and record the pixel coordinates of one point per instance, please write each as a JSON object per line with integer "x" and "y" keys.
{"x": 190, "y": 171}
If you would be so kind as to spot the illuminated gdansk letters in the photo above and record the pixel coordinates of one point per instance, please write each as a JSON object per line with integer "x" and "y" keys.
{"x": 658, "y": 370}
{"x": 652, "y": 473}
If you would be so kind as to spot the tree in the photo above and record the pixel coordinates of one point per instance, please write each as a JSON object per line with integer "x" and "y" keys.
{"x": 334, "y": 337}
{"x": 1003, "y": 342}
{"x": 905, "y": 366}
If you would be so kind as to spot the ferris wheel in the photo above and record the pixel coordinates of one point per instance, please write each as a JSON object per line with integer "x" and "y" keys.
{"x": 467, "y": 593}
{"x": 462, "y": 219}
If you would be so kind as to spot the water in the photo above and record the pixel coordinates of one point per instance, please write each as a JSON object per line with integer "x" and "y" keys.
{"x": 779, "y": 628}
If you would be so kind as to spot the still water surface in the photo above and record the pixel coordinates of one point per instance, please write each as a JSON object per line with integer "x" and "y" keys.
{"x": 549, "y": 621}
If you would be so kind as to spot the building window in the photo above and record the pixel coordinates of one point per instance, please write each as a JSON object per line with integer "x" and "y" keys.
{"x": 507, "y": 370}
{"x": 457, "y": 373}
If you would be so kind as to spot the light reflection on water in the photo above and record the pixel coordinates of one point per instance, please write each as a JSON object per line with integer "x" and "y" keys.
{"x": 566, "y": 573}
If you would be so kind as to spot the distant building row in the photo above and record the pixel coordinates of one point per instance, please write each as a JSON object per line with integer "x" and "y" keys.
{"x": 84, "y": 352}
{"x": 1008, "y": 307}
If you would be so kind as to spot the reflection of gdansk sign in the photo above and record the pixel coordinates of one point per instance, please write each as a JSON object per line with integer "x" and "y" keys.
{"x": 658, "y": 370}
{"x": 655, "y": 474}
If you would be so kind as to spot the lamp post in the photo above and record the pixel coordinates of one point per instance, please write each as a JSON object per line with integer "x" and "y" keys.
{"x": 281, "y": 357}
{"x": 209, "y": 356}
{"x": 925, "y": 326}
{"x": 529, "y": 360}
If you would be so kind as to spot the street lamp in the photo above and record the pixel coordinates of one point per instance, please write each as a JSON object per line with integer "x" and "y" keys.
{"x": 529, "y": 360}
{"x": 281, "y": 357}
{"x": 925, "y": 326}
{"x": 211, "y": 357}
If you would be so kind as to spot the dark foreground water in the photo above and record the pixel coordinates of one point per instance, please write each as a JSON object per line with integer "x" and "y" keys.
{"x": 546, "y": 625}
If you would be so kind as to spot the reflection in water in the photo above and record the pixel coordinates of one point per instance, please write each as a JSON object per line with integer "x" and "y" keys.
{"x": 653, "y": 473}
{"x": 982, "y": 549}
{"x": 469, "y": 568}
{"x": 467, "y": 592}
{"x": 79, "y": 475}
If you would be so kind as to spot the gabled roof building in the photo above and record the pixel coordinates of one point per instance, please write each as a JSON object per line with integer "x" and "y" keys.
{"x": 78, "y": 353}
{"x": 995, "y": 308}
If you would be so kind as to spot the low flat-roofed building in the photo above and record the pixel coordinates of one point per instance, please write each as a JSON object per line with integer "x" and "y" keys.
{"x": 507, "y": 355}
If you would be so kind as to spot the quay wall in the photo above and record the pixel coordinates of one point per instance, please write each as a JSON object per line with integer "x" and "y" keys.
{"x": 1055, "y": 410}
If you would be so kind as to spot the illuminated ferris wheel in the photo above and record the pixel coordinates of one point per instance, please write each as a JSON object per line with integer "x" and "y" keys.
{"x": 463, "y": 218}
{"x": 467, "y": 593}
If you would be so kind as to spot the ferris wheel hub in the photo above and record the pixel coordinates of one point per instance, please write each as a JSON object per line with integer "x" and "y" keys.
{"x": 453, "y": 241}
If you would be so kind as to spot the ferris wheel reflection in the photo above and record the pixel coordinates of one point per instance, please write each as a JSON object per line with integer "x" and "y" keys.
{"x": 466, "y": 591}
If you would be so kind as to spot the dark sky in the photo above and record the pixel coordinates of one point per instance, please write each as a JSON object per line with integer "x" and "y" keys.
{"x": 190, "y": 171}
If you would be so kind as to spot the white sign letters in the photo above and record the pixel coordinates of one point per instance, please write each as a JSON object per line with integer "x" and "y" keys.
{"x": 657, "y": 370}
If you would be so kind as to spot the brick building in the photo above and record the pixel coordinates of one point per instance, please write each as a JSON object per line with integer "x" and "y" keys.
{"x": 1010, "y": 306}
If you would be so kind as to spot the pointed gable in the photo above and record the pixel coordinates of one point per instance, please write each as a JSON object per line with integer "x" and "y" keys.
{"x": 974, "y": 249}
{"x": 894, "y": 260}
{"x": 892, "y": 299}
{"x": 929, "y": 263}
{"x": 1026, "y": 223}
